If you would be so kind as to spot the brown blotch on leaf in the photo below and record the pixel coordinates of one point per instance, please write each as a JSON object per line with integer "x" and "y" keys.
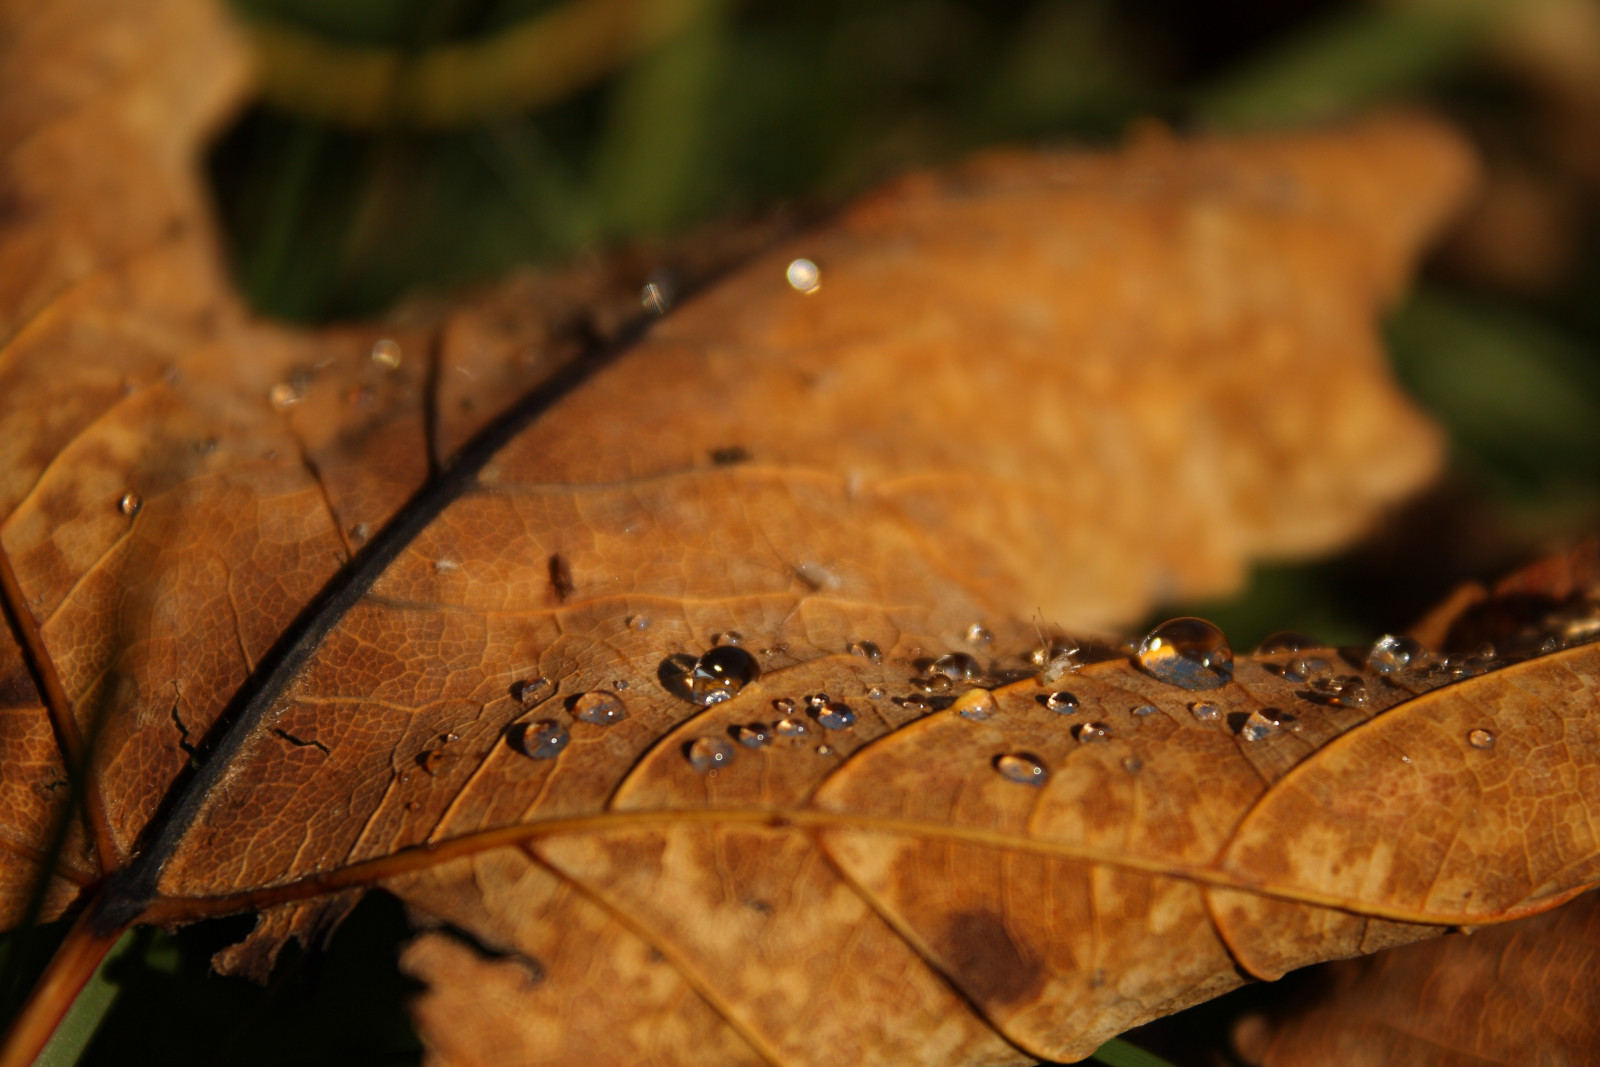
{"x": 986, "y": 963}
{"x": 560, "y": 577}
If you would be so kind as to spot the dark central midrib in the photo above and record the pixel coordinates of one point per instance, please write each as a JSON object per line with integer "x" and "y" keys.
{"x": 128, "y": 891}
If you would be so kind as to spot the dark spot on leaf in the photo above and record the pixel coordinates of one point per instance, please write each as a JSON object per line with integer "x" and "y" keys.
{"x": 16, "y": 688}
{"x": 984, "y": 961}
{"x": 1237, "y": 719}
{"x": 560, "y": 576}
{"x": 729, "y": 455}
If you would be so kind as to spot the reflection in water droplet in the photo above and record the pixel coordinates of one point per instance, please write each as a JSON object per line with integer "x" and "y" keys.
{"x": 1262, "y": 723}
{"x": 914, "y": 703}
{"x": 544, "y": 739}
{"x": 1393, "y": 653}
{"x": 1189, "y": 653}
{"x": 655, "y": 299}
{"x": 714, "y": 677}
{"x": 803, "y": 275}
{"x": 1205, "y": 712}
{"x": 867, "y": 650}
{"x": 835, "y": 715}
{"x": 975, "y": 704}
{"x": 978, "y": 634}
{"x": 784, "y": 705}
{"x": 599, "y": 708}
{"x": 1145, "y": 709}
{"x": 875, "y": 693}
{"x": 727, "y": 637}
{"x": 386, "y": 353}
{"x": 638, "y": 622}
{"x": 1061, "y": 702}
{"x": 937, "y": 683}
{"x": 1022, "y": 767}
{"x": 1345, "y": 691}
{"x": 1307, "y": 669}
{"x": 1287, "y": 641}
{"x": 531, "y": 690}
{"x": 791, "y": 727}
{"x": 708, "y": 753}
{"x": 1091, "y": 733}
{"x": 1480, "y": 738}
{"x": 752, "y": 735}
{"x": 130, "y": 504}
{"x": 955, "y": 666}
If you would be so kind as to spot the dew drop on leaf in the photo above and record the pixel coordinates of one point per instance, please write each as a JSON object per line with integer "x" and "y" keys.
{"x": 130, "y": 503}
{"x": 867, "y": 650}
{"x": 835, "y": 715}
{"x": 978, "y": 634}
{"x": 955, "y": 666}
{"x": 1260, "y": 724}
{"x": 1144, "y": 710}
{"x": 386, "y": 353}
{"x": 1393, "y": 653}
{"x": 1061, "y": 702}
{"x": 975, "y": 704}
{"x": 784, "y": 705}
{"x": 1021, "y": 767}
{"x": 1480, "y": 738}
{"x": 1090, "y": 733}
{"x": 1307, "y": 669}
{"x": 803, "y": 275}
{"x": 599, "y": 708}
{"x": 714, "y": 677}
{"x": 531, "y": 690}
{"x": 753, "y": 735}
{"x": 727, "y": 637}
{"x": 544, "y": 739}
{"x": 937, "y": 683}
{"x": 1189, "y": 653}
{"x": 1345, "y": 691}
{"x": 1205, "y": 712}
{"x": 708, "y": 753}
{"x": 791, "y": 727}
{"x": 638, "y": 622}
{"x": 1287, "y": 641}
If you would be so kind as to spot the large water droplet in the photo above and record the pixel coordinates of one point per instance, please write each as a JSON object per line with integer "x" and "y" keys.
{"x": 835, "y": 715}
{"x": 803, "y": 275}
{"x": 1287, "y": 641}
{"x": 753, "y": 735}
{"x": 1092, "y": 733}
{"x": 714, "y": 677}
{"x": 975, "y": 704}
{"x": 1061, "y": 702}
{"x": 708, "y": 753}
{"x": 867, "y": 650}
{"x": 1189, "y": 653}
{"x": 1307, "y": 669}
{"x": 1480, "y": 738}
{"x": 386, "y": 353}
{"x": 544, "y": 739}
{"x": 600, "y": 708}
{"x": 130, "y": 503}
{"x": 1022, "y": 767}
{"x": 1393, "y": 653}
{"x": 956, "y": 666}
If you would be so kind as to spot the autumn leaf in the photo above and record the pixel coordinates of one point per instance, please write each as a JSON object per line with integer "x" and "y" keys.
{"x": 714, "y": 673}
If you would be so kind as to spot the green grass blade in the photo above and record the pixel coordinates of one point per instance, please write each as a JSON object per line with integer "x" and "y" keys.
{"x": 72, "y": 1037}
{"x": 1119, "y": 1053}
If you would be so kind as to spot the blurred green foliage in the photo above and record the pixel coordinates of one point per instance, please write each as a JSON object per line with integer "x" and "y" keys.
{"x": 757, "y": 103}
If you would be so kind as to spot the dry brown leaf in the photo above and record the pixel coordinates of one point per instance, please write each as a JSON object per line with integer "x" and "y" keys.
{"x": 294, "y": 601}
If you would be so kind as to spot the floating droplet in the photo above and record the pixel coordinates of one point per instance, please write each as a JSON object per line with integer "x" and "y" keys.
{"x": 638, "y": 622}
{"x": 1261, "y": 723}
{"x": 975, "y": 704}
{"x": 1480, "y": 738}
{"x": 721, "y": 673}
{"x": 1021, "y": 767}
{"x": 791, "y": 727}
{"x": 655, "y": 299}
{"x": 1307, "y": 669}
{"x": 803, "y": 275}
{"x": 386, "y": 353}
{"x": 1205, "y": 712}
{"x": 727, "y": 637}
{"x": 956, "y": 666}
{"x": 1061, "y": 702}
{"x": 283, "y": 396}
{"x": 599, "y": 708}
{"x": 753, "y": 735}
{"x": 835, "y": 715}
{"x": 531, "y": 690}
{"x": 1393, "y": 653}
{"x": 978, "y": 634}
{"x": 544, "y": 739}
{"x": 708, "y": 753}
{"x": 1189, "y": 653}
{"x": 1090, "y": 733}
{"x": 1145, "y": 709}
{"x": 130, "y": 503}
{"x": 867, "y": 650}
{"x": 1287, "y": 641}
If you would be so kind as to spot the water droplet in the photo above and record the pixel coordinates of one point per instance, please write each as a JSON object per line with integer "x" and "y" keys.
{"x": 1189, "y": 653}
{"x": 599, "y": 708}
{"x": 1287, "y": 641}
{"x": 975, "y": 704}
{"x": 875, "y": 693}
{"x": 1090, "y": 733}
{"x": 1205, "y": 712}
{"x": 1345, "y": 691}
{"x": 284, "y": 396}
{"x": 620, "y": 684}
{"x": 978, "y": 634}
{"x": 714, "y": 677}
{"x": 1549, "y": 645}
{"x": 1480, "y": 738}
{"x": 386, "y": 353}
{"x": 825, "y": 750}
{"x": 532, "y": 690}
{"x": 914, "y": 703}
{"x": 867, "y": 650}
{"x": 130, "y": 503}
{"x": 655, "y": 299}
{"x": 1145, "y": 709}
{"x": 1307, "y": 669}
{"x": 727, "y": 637}
{"x": 1132, "y": 764}
{"x": 1393, "y": 653}
{"x": 803, "y": 275}
{"x": 937, "y": 683}
{"x": 708, "y": 753}
{"x": 1261, "y": 723}
{"x": 753, "y": 735}
{"x": 835, "y": 715}
{"x": 544, "y": 739}
{"x": 638, "y": 622}
{"x": 1061, "y": 702}
{"x": 781, "y": 646}
{"x": 359, "y": 532}
{"x": 816, "y": 700}
{"x": 446, "y": 566}
{"x": 784, "y": 705}
{"x": 956, "y": 666}
{"x": 1021, "y": 767}
{"x": 791, "y": 727}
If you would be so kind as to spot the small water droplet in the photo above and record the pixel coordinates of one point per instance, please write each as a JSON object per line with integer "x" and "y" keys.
{"x": 791, "y": 727}
{"x": 1022, "y": 767}
{"x": 937, "y": 683}
{"x": 727, "y": 637}
{"x": 784, "y": 705}
{"x": 1307, "y": 669}
{"x": 867, "y": 650}
{"x": 1091, "y": 733}
{"x": 655, "y": 298}
{"x": 1549, "y": 645}
{"x": 975, "y": 704}
{"x": 1061, "y": 702}
{"x": 544, "y": 739}
{"x": 386, "y": 353}
{"x": 130, "y": 503}
{"x": 1480, "y": 738}
{"x": 599, "y": 708}
{"x": 875, "y": 693}
{"x": 978, "y": 634}
{"x": 1145, "y": 709}
{"x": 284, "y": 396}
{"x": 1393, "y": 653}
{"x": 446, "y": 566}
{"x": 1261, "y": 723}
{"x": 955, "y": 666}
{"x": 753, "y": 735}
{"x": 824, "y": 750}
{"x": 1287, "y": 641}
{"x": 531, "y": 690}
{"x": 359, "y": 532}
{"x": 1132, "y": 764}
{"x": 1345, "y": 691}
{"x": 914, "y": 703}
{"x": 1189, "y": 653}
{"x": 816, "y": 700}
{"x": 781, "y": 646}
{"x": 638, "y": 622}
{"x": 835, "y": 715}
{"x": 803, "y": 276}
{"x": 1205, "y": 712}
{"x": 708, "y": 753}
{"x": 1405, "y": 759}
